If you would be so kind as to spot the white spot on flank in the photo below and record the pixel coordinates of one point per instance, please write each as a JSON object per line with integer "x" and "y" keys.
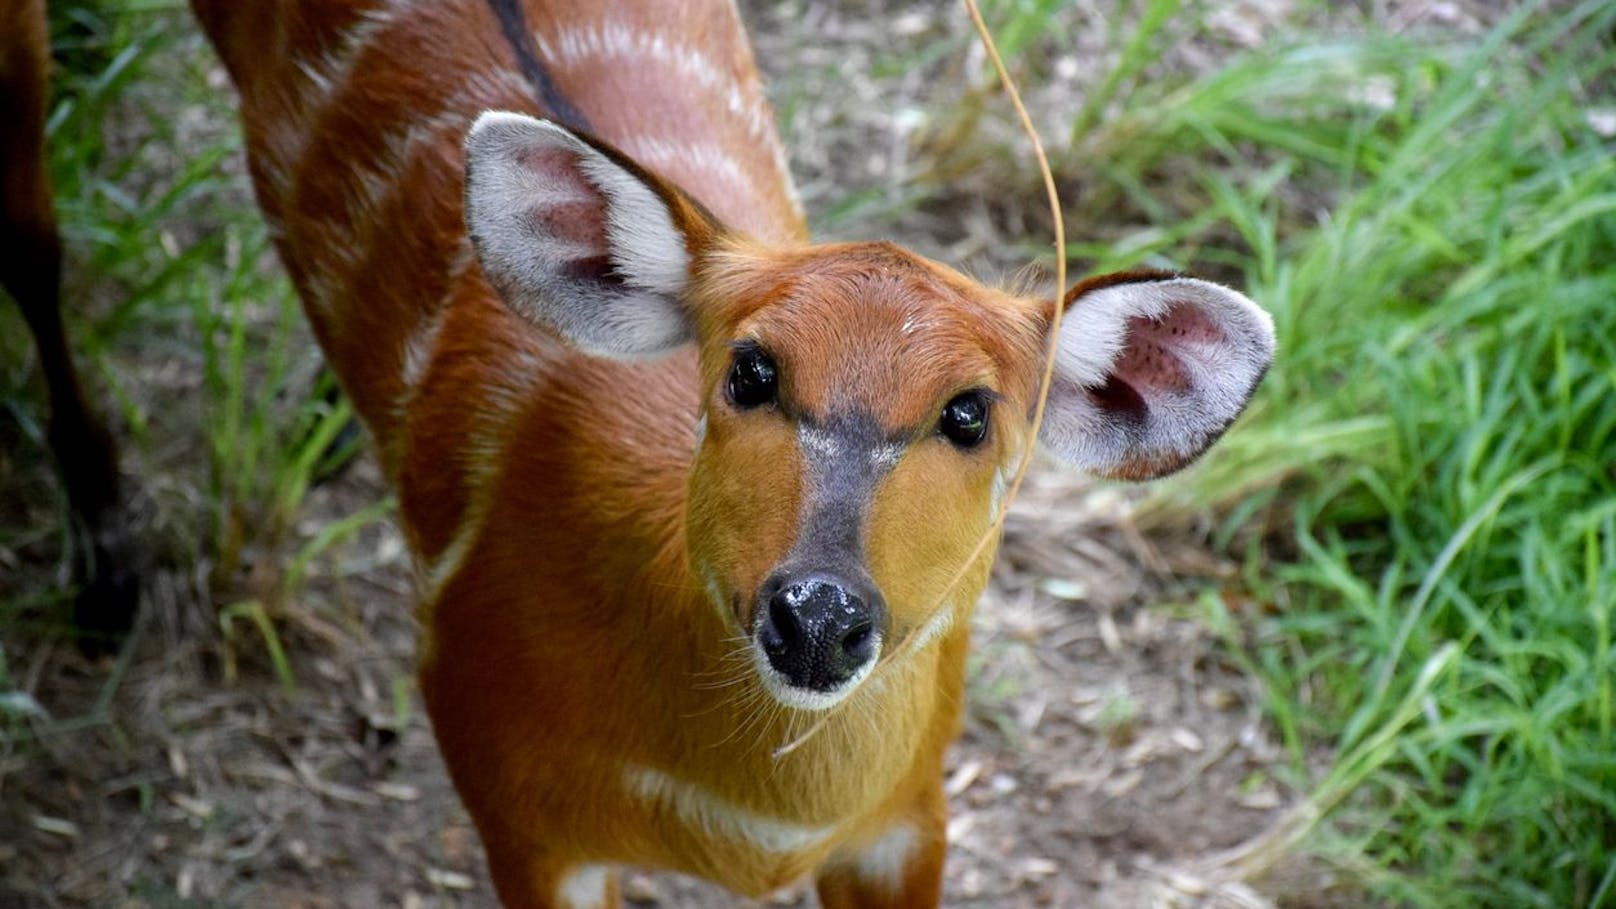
{"x": 327, "y": 74}
{"x": 601, "y": 41}
{"x": 316, "y": 73}
{"x": 379, "y": 178}
{"x": 584, "y": 888}
{"x": 323, "y": 286}
{"x": 417, "y": 353}
{"x": 333, "y": 264}
{"x": 617, "y": 40}
{"x": 437, "y": 573}
{"x": 667, "y": 156}
{"x": 718, "y": 817}
{"x": 480, "y": 458}
{"x": 884, "y": 861}
{"x": 332, "y": 70}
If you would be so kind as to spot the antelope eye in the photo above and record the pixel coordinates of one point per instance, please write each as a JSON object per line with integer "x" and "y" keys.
{"x": 752, "y": 378}
{"x": 965, "y": 419}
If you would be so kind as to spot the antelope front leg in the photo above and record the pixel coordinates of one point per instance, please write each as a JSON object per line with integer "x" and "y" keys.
{"x": 899, "y": 868}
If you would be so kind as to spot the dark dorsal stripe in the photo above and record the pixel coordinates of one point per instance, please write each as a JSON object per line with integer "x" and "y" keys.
{"x": 513, "y": 22}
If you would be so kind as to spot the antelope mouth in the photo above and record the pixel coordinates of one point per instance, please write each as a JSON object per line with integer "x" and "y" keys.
{"x": 790, "y": 693}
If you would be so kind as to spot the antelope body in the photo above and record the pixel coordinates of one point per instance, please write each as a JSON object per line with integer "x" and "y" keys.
{"x": 676, "y": 479}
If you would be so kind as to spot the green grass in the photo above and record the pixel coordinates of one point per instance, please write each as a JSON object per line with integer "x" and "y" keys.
{"x": 1426, "y": 489}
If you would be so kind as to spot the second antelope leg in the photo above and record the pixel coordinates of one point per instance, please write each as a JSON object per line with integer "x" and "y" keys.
{"x": 30, "y": 271}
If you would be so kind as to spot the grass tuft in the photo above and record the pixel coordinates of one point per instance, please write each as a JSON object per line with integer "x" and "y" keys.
{"x": 1435, "y": 445}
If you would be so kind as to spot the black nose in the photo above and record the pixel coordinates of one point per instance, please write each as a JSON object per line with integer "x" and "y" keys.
{"x": 818, "y": 631}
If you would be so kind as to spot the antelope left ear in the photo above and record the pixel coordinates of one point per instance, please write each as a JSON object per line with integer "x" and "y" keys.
{"x": 1150, "y": 370}
{"x": 578, "y": 239}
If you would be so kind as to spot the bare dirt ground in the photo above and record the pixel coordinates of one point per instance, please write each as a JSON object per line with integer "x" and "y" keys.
{"x": 1110, "y": 746}
{"x": 1107, "y": 742}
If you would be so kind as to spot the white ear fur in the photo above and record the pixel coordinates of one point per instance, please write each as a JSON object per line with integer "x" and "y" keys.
{"x": 573, "y": 240}
{"x": 1149, "y": 373}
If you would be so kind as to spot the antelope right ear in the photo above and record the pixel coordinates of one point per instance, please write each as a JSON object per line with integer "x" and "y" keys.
{"x": 579, "y": 239}
{"x": 1151, "y": 368}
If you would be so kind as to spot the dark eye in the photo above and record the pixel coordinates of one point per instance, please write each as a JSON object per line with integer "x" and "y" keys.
{"x": 752, "y": 378}
{"x": 965, "y": 419}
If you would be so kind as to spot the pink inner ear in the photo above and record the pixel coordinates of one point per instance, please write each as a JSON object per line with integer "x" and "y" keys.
{"x": 570, "y": 209}
{"x": 1152, "y": 362}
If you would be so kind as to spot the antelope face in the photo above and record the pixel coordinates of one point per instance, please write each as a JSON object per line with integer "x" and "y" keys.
{"x": 861, "y": 407}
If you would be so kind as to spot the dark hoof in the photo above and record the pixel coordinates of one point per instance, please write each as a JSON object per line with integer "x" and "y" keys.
{"x": 108, "y": 598}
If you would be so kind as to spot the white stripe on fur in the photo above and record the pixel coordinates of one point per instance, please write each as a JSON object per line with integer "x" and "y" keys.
{"x": 717, "y": 817}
